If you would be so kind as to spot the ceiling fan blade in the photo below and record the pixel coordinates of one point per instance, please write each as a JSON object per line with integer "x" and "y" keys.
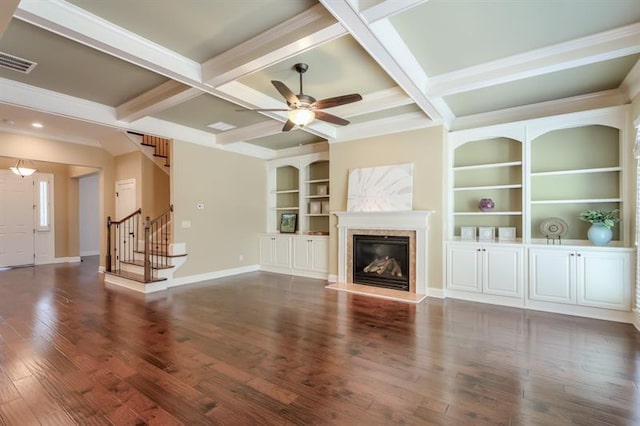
{"x": 262, "y": 109}
{"x": 324, "y": 116}
{"x": 288, "y": 126}
{"x": 291, "y": 98}
{"x": 336, "y": 101}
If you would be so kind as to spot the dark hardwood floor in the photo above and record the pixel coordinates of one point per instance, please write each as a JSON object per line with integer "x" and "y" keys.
{"x": 270, "y": 349}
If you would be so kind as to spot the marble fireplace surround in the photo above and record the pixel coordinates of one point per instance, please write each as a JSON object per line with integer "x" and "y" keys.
{"x": 414, "y": 223}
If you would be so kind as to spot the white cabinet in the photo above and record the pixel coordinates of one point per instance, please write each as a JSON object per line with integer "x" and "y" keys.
{"x": 311, "y": 254}
{"x": 552, "y": 275}
{"x": 303, "y": 255}
{"x": 584, "y": 276}
{"x": 491, "y": 269}
{"x": 275, "y": 251}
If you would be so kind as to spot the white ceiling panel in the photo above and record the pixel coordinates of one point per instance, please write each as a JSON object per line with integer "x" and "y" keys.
{"x": 448, "y": 35}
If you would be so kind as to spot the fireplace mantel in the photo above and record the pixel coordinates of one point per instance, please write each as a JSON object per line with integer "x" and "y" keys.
{"x": 414, "y": 220}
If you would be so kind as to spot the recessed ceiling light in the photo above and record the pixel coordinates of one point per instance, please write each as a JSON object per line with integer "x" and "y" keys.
{"x": 223, "y": 127}
{"x": 37, "y": 125}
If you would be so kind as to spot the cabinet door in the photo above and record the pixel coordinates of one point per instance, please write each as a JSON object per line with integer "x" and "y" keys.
{"x": 267, "y": 250}
{"x": 282, "y": 251}
{"x": 320, "y": 256}
{"x": 463, "y": 267}
{"x": 552, "y": 275}
{"x": 502, "y": 271}
{"x": 604, "y": 279}
{"x": 302, "y": 253}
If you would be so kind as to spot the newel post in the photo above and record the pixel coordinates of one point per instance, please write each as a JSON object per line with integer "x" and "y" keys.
{"x": 108, "y": 259}
{"x": 147, "y": 249}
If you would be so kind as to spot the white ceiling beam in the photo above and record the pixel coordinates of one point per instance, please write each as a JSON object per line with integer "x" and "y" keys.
{"x": 583, "y": 51}
{"x": 79, "y": 25}
{"x": 374, "y": 102}
{"x": 254, "y": 131}
{"x": 395, "y": 124}
{"x": 7, "y": 9}
{"x": 166, "y": 95}
{"x": 385, "y": 9}
{"x": 303, "y": 32}
{"x": 382, "y": 52}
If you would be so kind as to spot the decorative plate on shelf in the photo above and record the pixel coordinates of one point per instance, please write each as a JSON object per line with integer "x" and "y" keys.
{"x": 553, "y": 227}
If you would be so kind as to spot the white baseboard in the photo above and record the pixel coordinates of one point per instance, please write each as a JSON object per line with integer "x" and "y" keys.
{"x": 101, "y": 269}
{"x": 90, "y": 253}
{"x": 72, "y": 259}
{"x": 636, "y": 318}
{"x": 212, "y": 275}
{"x": 436, "y": 293}
{"x": 332, "y": 278}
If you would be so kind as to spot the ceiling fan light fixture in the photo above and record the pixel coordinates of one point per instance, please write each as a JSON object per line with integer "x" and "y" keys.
{"x": 301, "y": 116}
{"x": 24, "y": 168}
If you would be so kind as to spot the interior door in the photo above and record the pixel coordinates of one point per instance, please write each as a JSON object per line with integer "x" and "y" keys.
{"x": 16, "y": 220}
{"x": 125, "y": 198}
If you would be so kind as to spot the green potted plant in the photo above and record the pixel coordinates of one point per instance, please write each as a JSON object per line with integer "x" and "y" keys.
{"x": 601, "y": 221}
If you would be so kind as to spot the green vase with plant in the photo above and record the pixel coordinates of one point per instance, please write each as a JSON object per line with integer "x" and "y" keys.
{"x": 602, "y": 222}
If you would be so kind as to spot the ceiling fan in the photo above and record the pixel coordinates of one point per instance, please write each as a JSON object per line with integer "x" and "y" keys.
{"x": 303, "y": 109}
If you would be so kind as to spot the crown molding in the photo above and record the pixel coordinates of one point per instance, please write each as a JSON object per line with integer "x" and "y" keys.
{"x": 590, "y": 101}
{"x": 62, "y": 138}
{"x": 631, "y": 84}
{"x": 583, "y": 51}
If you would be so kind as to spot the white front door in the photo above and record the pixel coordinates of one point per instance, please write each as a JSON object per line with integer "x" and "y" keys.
{"x": 16, "y": 219}
{"x": 125, "y": 198}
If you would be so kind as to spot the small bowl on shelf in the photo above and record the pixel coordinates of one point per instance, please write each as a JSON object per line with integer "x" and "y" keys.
{"x": 486, "y": 204}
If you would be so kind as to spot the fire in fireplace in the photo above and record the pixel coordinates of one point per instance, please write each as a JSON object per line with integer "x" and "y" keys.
{"x": 381, "y": 260}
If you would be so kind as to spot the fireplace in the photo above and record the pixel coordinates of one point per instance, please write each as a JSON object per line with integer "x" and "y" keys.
{"x": 412, "y": 225}
{"x": 381, "y": 261}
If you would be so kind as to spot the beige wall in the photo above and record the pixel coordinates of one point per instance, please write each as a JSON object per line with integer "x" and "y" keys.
{"x": 233, "y": 190}
{"x": 66, "y": 196}
{"x": 152, "y": 183}
{"x": 155, "y": 188}
{"x": 425, "y": 149}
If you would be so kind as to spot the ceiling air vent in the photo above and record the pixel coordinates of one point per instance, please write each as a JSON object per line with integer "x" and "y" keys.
{"x": 17, "y": 64}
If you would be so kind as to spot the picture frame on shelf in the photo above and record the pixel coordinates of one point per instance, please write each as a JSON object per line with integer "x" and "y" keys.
{"x": 325, "y": 207}
{"x": 321, "y": 189}
{"x": 315, "y": 207}
{"x": 486, "y": 233}
{"x": 468, "y": 233}
{"x": 506, "y": 233}
{"x": 288, "y": 223}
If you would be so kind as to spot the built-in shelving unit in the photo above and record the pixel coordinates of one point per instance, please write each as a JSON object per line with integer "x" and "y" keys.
{"x": 299, "y": 185}
{"x": 317, "y": 197}
{"x": 572, "y": 170}
{"x": 536, "y": 171}
{"x": 487, "y": 168}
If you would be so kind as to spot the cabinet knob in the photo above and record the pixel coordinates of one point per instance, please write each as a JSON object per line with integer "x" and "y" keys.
{"x": 572, "y": 254}
{"x": 484, "y": 249}
{"x": 579, "y": 254}
{"x": 479, "y": 250}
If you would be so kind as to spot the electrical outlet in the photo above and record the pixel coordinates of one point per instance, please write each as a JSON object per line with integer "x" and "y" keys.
{"x": 200, "y": 206}
{"x": 241, "y": 257}
{"x": 186, "y": 224}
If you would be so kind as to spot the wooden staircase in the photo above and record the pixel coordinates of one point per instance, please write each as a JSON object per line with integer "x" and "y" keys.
{"x": 160, "y": 147}
{"x": 140, "y": 252}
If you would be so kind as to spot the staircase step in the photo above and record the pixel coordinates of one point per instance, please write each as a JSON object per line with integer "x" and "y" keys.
{"x": 135, "y": 277}
{"x": 160, "y": 155}
{"x": 152, "y": 145}
{"x": 161, "y": 253}
{"x": 153, "y": 266}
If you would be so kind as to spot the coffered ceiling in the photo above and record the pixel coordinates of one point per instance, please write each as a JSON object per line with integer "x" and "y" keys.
{"x": 175, "y": 69}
